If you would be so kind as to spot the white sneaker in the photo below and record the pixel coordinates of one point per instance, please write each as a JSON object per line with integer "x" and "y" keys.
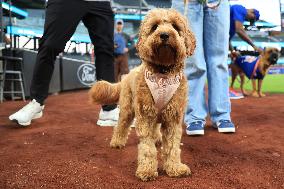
{"x": 108, "y": 118}
{"x": 24, "y": 116}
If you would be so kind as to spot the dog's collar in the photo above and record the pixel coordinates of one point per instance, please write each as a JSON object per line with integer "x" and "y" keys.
{"x": 162, "y": 87}
{"x": 161, "y": 68}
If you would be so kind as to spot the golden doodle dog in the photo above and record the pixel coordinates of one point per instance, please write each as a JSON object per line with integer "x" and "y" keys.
{"x": 154, "y": 92}
{"x": 254, "y": 68}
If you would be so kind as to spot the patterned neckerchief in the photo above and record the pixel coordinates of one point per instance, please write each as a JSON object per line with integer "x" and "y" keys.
{"x": 162, "y": 87}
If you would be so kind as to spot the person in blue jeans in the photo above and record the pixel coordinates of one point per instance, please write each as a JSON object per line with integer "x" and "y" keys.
{"x": 211, "y": 29}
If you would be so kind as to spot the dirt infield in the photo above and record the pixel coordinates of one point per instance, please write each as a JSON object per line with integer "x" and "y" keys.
{"x": 66, "y": 149}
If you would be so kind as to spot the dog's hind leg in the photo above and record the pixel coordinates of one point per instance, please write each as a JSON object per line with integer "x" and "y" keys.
{"x": 126, "y": 115}
{"x": 234, "y": 75}
{"x": 158, "y": 134}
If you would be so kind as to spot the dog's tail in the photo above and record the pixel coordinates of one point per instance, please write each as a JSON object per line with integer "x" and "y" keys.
{"x": 104, "y": 93}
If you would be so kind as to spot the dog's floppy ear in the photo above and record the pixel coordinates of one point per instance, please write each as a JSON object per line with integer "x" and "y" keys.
{"x": 138, "y": 44}
{"x": 189, "y": 38}
{"x": 190, "y": 42}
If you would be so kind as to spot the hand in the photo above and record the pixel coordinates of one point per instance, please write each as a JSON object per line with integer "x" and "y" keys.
{"x": 234, "y": 54}
{"x": 257, "y": 49}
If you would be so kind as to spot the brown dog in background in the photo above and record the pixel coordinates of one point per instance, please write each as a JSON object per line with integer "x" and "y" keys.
{"x": 267, "y": 58}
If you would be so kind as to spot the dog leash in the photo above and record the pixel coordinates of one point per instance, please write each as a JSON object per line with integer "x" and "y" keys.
{"x": 185, "y": 7}
{"x": 213, "y": 5}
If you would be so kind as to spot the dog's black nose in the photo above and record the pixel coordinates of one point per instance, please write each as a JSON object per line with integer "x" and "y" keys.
{"x": 164, "y": 36}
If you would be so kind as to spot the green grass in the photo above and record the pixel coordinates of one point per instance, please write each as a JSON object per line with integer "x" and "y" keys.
{"x": 271, "y": 84}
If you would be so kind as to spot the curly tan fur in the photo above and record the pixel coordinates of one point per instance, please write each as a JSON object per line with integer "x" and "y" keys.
{"x": 135, "y": 98}
{"x": 108, "y": 93}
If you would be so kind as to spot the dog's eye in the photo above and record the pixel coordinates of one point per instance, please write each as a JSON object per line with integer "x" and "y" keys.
{"x": 154, "y": 27}
{"x": 176, "y": 27}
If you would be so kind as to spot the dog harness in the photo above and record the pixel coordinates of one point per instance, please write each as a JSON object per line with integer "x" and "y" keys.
{"x": 162, "y": 87}
{"x": 249, "y": 65}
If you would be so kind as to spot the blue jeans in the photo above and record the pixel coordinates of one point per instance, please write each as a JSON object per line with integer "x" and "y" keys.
{"x": 211, "y": 29}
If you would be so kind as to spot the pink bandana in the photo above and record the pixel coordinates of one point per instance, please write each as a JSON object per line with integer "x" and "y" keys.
{"x": 162, "y": 87}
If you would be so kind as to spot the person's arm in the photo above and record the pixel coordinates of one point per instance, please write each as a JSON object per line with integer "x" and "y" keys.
{"x": 244, "y": 36}
{"x": 127, "y": 42}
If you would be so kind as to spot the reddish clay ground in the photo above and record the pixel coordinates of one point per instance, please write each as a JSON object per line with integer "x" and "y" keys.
{"x": 66, "y": 149}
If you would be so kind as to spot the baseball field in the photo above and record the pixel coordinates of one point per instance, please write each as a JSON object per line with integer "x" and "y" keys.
{"x": 66, "y": 149}
{"x": 271, "y": 84}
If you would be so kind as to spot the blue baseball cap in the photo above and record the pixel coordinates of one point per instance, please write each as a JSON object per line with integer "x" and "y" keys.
{"x": 256, "y": 14}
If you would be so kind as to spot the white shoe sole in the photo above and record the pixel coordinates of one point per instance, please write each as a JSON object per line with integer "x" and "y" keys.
{"x": 106, "y": 123}
{"x": 226, "y": 130}
{"x": 197, "y": 132}
{"x": 236, "y": 98}
{"x": 109, "y": 123}
{"x": 36, "y": 116}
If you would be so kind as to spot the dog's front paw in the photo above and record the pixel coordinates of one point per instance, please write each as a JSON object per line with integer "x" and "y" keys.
{"x": 261, "y": 94}
{"x": 245, "y": 93}
{"x": 146, "y": 174}
{"x": 254, "y": 94}
{"x": 177, "y": 170}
